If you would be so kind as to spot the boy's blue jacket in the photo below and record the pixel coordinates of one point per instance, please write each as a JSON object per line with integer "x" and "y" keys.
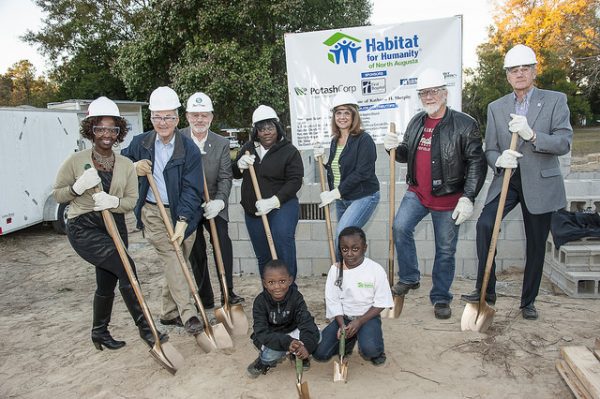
{"x": 274, "y": 320}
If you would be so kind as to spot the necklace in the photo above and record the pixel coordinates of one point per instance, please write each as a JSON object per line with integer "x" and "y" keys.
{"x": 105, "y": 163}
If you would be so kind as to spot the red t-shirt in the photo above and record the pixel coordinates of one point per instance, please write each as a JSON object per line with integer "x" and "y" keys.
{"x": 422, "y": 169}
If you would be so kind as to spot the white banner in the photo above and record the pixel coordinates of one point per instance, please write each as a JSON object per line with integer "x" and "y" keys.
{"x": 379, "y": 65}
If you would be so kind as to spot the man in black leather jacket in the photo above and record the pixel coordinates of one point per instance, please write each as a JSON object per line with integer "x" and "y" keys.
{"x": 446, "y": 169}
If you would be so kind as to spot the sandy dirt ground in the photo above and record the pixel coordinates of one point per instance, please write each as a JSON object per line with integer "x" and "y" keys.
{"x": 45, "y": 348}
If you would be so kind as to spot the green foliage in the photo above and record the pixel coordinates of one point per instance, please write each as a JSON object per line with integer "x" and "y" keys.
{"x": 19, "y": 86}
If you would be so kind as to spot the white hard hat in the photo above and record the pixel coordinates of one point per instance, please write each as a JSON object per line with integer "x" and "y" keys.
{"x": 103, "y": 106}
{"x": 199, "y": 102}
{"x": 519, "y": 55}
{"x": 164, "y": 99}
{"x": 263, "y": 112}
{"x": 343, "y": 98}
{"x": 429, "y": 78}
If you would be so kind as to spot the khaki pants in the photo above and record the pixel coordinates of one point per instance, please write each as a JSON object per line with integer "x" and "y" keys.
{"x": 176, "y": 296}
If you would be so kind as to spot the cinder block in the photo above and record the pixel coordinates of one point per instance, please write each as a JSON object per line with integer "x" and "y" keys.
{"x": 512, "y": 229}
{"x": 249, "y": 265}
{"x": 468, "y": 230}
{"x": 303, "y": 230}
{"x": 243, "y": 249}
{"x": 378, "y": 249}
{"x": 469, "y": 268}
{"x": 376, "y": 230}
{"x": 309, "y": 249}
{"x": 574, "y": 284}
{"x": 321, "y": 266}
{"x": 304, "y": 267}
{"x": 232, "y": 230}
{"x": 425, "y": 249}
{"x": 243, "y": 232}
{"x": 236, "y": 213}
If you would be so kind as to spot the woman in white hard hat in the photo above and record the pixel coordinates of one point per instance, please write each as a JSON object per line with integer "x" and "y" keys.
{"x": 350, "y": 167}
{"x": 86, "y": 231}
{"x": 279, "y": 171}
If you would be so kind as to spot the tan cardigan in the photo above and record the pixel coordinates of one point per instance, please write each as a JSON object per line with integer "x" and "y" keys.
{"x": 124, "y": 184}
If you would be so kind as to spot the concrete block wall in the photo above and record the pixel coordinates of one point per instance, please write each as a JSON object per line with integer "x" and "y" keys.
{"x": 311, "y": 235}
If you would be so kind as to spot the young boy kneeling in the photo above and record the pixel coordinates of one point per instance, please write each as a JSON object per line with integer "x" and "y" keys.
{"x": 355, "y": 295}
{"x": 282, "y": 322}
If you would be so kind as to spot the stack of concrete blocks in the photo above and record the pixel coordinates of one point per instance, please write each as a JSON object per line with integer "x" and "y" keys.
{"x": 311, "y": 235}
{"x": 575, "y": 266}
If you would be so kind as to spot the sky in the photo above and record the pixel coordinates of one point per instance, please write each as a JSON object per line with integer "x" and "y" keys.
{"x": 18, "y": 16}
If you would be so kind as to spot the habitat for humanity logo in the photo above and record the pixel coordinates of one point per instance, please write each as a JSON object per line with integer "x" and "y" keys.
{"x": 342, "y": 48}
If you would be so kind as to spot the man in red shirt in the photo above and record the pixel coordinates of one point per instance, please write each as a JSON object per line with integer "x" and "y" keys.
{"x": 446, "y": 168}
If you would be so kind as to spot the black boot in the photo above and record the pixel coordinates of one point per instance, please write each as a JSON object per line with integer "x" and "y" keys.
{"x": 100, "y": 334}
{"x": 138, "y": 316}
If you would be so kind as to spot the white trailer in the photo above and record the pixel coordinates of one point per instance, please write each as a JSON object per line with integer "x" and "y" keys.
{"x": 35, "y": 142}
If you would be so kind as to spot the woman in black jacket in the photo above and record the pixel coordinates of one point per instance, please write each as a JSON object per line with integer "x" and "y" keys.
{"x": 279, "y": 172}
{"x": 351, "y": 167}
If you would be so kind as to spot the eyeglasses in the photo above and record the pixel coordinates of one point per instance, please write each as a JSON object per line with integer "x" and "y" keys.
{"x": 516, "y": 70}
{"x": 272, "y": 283}
{"x": 431, "y": 92}
{"x": 267, "y": 129}
{"x": 165, "y": 119}
{"x": 106, "y": 130}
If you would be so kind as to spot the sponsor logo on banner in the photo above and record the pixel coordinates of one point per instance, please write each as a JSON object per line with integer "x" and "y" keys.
{"x": 373, "y": 86}
{"x": 408, "y": 82}
{"x": 342, "y": 48}
{"x": 300, "y": 91}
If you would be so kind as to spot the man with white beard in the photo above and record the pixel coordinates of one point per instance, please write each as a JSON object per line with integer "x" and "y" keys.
{"x": 446, "y": 168}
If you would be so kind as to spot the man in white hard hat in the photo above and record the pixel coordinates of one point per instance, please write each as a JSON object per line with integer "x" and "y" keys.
{"x": 174, "y": 162}
{"x": 216, "y": 164}
{"x": 445, "y": 171}
{"x": 541, "y": 119}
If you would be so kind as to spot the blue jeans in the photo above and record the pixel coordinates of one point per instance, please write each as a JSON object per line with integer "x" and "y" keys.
{"x": 354, "y": 213}
{"x": 369, "y": 337}
{"x": 270, "y": 357}
{"x": 410, "y": 213}
{"x": 283, "y": 222}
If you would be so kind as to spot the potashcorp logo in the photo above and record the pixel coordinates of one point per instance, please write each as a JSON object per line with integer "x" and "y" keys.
{"x": 342, "y": 48}
{"x": 300, "y": 91}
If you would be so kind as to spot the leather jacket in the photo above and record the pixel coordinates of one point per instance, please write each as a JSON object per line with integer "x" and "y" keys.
{"x": 457, "y": 158}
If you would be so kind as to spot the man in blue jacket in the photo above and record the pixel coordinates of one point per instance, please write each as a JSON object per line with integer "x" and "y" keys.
{"x": 174, "y": 162}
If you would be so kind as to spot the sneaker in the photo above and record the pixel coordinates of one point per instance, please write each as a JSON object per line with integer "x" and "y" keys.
{"x": 529, "y": 312}
{"x": 474, "y": 296}
{"x": 401, "y": 289}
{"x": 172, "y": 322}
{"x": 379, "y": 360}
{"x": 257, "y": 368}
{"x": 442, "y": 310}
{"x": 193, "y": 326}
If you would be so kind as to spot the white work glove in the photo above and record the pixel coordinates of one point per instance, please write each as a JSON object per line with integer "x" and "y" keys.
{"x": 318, "y": 150}
{"x": 245, "y": 161}
{"x": 143, "y": 167}
{"x": 519, "y": 125}
{"x": 87, "y": 180}
{"x": 463, "y": 210}
{"x": 104, "y": 201}
{"x": 390, "y": 141}
{"x": 212, "y": 208}
{"x": 179, "y": 234}
{"x": 508, "y": 159}
{"x": 327, "y": 197}
{"x": 265, "y": 206}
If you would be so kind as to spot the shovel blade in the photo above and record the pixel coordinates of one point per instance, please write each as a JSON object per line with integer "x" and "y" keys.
{"x": 477, "y": 317}
{"x": 302, "y": 388}
{"x": 214, "y": 337}
{"x": 234, "y": 319}
{"x": 340, "y": 371}
{"x": 167, "y": 356}
{"x": 395, "y": 311}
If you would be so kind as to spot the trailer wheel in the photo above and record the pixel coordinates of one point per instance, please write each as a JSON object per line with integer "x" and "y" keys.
{"x": 60, "y": 224}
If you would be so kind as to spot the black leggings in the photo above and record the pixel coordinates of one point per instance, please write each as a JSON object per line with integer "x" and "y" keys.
{"x": 109, "y": 272}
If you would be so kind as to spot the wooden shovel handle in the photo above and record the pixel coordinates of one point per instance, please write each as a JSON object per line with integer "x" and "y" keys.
{"x": 497, "y": 223}
{"x": 264, "y": 218}
{"x": 217, "y": 247}
{"x": 327, "y": 212}
{"x": 392, "y": 210}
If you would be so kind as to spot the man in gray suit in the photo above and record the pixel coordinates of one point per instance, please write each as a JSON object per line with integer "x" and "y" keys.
{"x": 541, "y": 118}
{"x": 217, "y": 169}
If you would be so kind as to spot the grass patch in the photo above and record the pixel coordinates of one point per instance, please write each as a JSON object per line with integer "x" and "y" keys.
{"x": 586, "y": 141}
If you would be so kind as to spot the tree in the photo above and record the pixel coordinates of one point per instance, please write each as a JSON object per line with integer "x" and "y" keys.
{"x": 19, "y": 86}
{"x": 232, "y": 50}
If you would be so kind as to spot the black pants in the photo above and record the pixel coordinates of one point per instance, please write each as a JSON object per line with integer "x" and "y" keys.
{"x": 111, "y": 271}
{"x": 199, "y": 261}
{"x": 537, "y": 228}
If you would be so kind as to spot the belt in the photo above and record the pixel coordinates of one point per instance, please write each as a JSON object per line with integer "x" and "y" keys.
{"x": 154, "y": 203}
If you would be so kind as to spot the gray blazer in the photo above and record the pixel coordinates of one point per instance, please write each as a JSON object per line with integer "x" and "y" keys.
{"x": 216, "y": 164}
{"x": 542, "y": 181}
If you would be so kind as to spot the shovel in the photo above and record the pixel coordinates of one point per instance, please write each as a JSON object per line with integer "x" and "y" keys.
{"x": 327, "y": 211}
{"x": 394, "y": 311}
{"x": 301, "y": 387}
{"x": 164, "y": 353}
{"x": 213, "y": 337}
{"x": 340, "y": 368}
{"x": 265, "y": 220}
{"x": 232, "y": 316}
{"x": 479, "y": 316}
